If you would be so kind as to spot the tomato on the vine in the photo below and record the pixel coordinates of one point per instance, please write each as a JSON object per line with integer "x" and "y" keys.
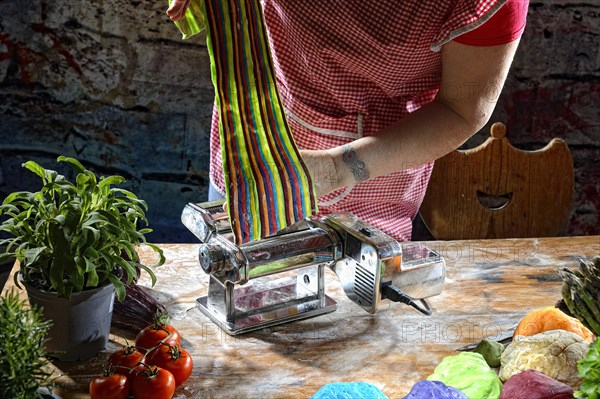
{"x": 155, "y": 333}
{"x": 125, "y": 359}
{"x": 152, "y": 382}
{"x": 109, "y": 386}
{"x": 178, "y": 361}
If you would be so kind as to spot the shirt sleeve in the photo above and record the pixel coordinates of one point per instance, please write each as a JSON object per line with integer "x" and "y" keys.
{"x": 505, "y": 26}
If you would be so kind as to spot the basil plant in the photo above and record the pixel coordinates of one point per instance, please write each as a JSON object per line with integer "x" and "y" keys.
{"x": 71, "y": 236}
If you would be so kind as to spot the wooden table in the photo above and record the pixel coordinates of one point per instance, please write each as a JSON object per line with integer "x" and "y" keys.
{"x": 490, "y": 285}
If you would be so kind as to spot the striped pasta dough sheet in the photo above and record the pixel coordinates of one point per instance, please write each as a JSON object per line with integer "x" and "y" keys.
{"x": 268, "y": 185}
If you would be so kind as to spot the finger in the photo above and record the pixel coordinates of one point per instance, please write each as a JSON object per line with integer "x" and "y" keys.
{"x": 177, "y": 9}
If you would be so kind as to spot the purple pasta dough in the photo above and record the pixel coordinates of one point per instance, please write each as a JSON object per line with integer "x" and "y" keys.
{"x": 434, "y": 390}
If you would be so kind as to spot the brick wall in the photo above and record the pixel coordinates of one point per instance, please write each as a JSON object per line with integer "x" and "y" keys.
{"x": 111, "y": 83}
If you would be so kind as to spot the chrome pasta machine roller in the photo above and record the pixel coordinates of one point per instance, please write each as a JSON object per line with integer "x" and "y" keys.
{"x": 281, "y": 278}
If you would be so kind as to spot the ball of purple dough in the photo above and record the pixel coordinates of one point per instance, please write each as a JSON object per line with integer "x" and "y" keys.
{"x": 349, "y": 390}
{"x": 427, "y": 389}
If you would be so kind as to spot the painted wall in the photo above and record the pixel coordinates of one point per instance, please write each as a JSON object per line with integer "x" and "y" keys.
{"x": 111, "y": 83}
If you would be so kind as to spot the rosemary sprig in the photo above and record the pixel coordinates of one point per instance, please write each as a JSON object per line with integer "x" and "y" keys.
{"x": 23, "y": 365}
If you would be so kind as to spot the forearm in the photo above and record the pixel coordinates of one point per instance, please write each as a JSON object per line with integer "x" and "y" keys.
{"x": 421, "y": 137}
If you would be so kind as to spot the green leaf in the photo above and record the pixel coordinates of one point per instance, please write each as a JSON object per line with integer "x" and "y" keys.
{"x": 82, "y": 179}
{"x": 111, "y": 180}
{"x": 91, "y": 253}
{"x": 94, "y": 218}
{"x": 17, "y": 195}
{"x": 109, "y": 218}
{"x": 60, "y": 219}
{"x": 127, "y": 194}
{"x": 56, "y": 276}
{"x": 119, "y": 287}
{"x": 127, "y": 267}
{"x": 160, "y": 253}
{"x": 33, "y": 254}
{"x": 90, "y": 267}
{"x": 129, "y": 249}
{"x": 77, "y": 279}
{"x": 95, "y": 235}
{"x": 75, "y": 164}
{"x": 60, "y": 247}
{"x": 35, "y": 168}
{"x": 92, "y": 278}
{"x": 52, "y": 175}
{"x": 589, "y": 370}
{"x": 149, "y": 271}
{"x": 9, "y": 209}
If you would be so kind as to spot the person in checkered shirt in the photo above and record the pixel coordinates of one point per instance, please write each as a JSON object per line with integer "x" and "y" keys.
{"x": 375, "y": 91}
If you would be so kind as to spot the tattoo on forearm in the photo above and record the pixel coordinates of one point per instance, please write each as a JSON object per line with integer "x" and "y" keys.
{"x": 358, "y": 167}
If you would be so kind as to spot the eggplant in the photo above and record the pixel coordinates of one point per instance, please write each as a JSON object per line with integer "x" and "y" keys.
{"x": 137, "y": 310}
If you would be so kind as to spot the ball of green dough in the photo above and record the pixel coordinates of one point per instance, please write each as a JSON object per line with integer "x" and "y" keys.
{"x": 491, "y": 352}
{"x": 469, "y": 373}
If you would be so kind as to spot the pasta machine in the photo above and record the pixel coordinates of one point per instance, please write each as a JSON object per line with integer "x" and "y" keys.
{"x": 281, "y": 278}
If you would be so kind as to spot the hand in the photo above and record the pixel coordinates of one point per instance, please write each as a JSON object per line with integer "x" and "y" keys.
{"x": 177, "y": 9}
{"x": 323, "y": 171}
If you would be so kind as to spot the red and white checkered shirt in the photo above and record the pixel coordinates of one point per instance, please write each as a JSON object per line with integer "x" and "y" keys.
{"x": 350, "y": 68}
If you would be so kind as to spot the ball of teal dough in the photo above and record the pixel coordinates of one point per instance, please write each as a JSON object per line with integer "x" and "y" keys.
{"x": 491, "y": 352}
{"x": 349, "y": 390}
{"x": 469, "y": 373}
{"x": 434, "y": 390}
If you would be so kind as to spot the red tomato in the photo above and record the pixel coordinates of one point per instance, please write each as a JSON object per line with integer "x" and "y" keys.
{"x": 155, "y": 333}
{"x": 115, "y": 386}
{"x": 125, "y": 359}
{"x": 152, "y": 382}
{"x": 178, "y": 361}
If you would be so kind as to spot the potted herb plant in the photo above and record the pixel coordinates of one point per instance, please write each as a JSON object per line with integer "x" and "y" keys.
{"x": 76, "y": 246}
